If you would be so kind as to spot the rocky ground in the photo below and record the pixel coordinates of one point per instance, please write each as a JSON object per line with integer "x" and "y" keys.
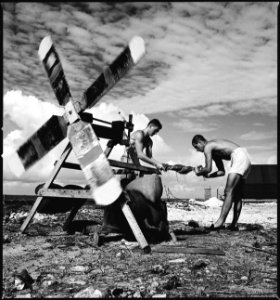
{"x": 67, "y": 266}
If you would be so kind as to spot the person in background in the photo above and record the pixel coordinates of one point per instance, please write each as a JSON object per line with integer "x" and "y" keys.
{"x": 218, "y": 150}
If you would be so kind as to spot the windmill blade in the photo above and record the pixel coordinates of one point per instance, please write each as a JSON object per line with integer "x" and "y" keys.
{"x": 128, "y": 58}
{"x": 38, "y": 145}
{"x": 50, "y": 59}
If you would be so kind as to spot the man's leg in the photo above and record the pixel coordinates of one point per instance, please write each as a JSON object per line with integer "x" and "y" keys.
{"x": 232, "y": 181}
{"x": 237, "y": 204}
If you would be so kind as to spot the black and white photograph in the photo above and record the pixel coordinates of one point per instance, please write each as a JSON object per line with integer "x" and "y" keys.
{"x": 139, "y": 149}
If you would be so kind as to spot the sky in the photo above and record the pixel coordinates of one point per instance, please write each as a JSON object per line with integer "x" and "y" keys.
{"x": 210, "y": 68}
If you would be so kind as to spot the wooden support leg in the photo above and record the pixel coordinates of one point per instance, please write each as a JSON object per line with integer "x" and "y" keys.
{"x": 71, "y": 216}
{"x": 139, "y": 236}
{"x": 134, "y": 225}
{"x": 56, "y": 170}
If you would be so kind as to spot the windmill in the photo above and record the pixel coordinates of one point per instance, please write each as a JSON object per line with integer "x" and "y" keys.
{"x": 104, "y": 186}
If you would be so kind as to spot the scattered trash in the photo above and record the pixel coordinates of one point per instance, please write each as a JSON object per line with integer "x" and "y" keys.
{"x": 19, "y": 284}
{"x": 159, "y": 269}
{"x": 178, "y": 260}
{"x": 159, "y": 296}
{"x": 89, "y": 292}
{"x": 154, "y": 284}
{"x": 80, "y": 268}
{"x": 244, "y": 278}
{"x": 249, "y": 250}
{"x": 76, "y": 281}
{"x": 129, "y": 245}
{"x": 23, "y": 280}
{"x": 137, "y": 294}
{"x": 18, "y": 216}
{"x": 121, "y": 254}
{"x": 46, "y": 246}
{"x": 212, "y": 202}
{"x": 173, "y": 237}
{"x": 6, "y": 239}
{"x": 199, "y": 265}
{"x": 39, "y": 217}
{"x": 48, "y": 280}
{"x": 172, "y": 283}
{"x": 23, "y": 296}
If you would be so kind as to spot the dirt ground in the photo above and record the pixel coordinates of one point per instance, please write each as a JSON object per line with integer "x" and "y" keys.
{"x": 67, "y": 266}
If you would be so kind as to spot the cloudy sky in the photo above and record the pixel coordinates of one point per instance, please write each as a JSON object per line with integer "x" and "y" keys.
{"x": 209, "y": 68}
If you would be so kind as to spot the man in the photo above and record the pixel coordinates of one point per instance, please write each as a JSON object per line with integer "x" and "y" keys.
{"x": 218, "y": 150}
{"x": 140, "y": 140}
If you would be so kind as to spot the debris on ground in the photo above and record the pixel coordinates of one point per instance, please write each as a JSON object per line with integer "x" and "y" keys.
{"x": 63, "y": 265}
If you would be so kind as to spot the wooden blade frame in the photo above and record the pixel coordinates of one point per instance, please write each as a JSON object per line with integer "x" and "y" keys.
{"x": 106, "y": 188}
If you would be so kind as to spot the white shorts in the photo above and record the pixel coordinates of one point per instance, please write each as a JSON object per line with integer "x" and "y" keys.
{"x": 240, "y": 162}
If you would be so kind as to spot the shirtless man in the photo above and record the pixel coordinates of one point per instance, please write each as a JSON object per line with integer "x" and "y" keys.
{"x": 218, "y": 150}
{"x": 139, "y": 141}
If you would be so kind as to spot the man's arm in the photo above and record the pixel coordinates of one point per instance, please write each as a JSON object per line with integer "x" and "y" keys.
{"x": 199, "y": 171}
{"x": 221, "y": 169}
{"x": 149, "y": 151}
{"x": 139, "y": 146}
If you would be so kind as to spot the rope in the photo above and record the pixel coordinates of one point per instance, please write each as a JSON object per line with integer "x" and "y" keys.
{"x": 169, "y": 194}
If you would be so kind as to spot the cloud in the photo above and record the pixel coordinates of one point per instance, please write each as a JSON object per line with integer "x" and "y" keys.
{"x": 272, "y": 160}
{"x": 20, "y": 109}
{"x": 258, "y": 135}
{"x": 266, "y": 106}
{"x": 196, "y": 53}
{"x": 202, "y": 60}
{"x": 196, "y": 125}
{"x": 270, "y": 146}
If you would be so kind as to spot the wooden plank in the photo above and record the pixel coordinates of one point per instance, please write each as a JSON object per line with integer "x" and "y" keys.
{"x": 259, "y": 249}
{"x": 55, "y": 171}
{"x": 171, "y": 249}
{"x": 134, "y": 225}
{"x": 120, "y": 164}
{"x": 117, "y": 164}
{"x": 66, "y": 193}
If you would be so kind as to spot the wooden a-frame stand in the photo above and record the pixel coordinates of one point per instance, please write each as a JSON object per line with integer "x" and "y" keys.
{"x": 47, "y": 191}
